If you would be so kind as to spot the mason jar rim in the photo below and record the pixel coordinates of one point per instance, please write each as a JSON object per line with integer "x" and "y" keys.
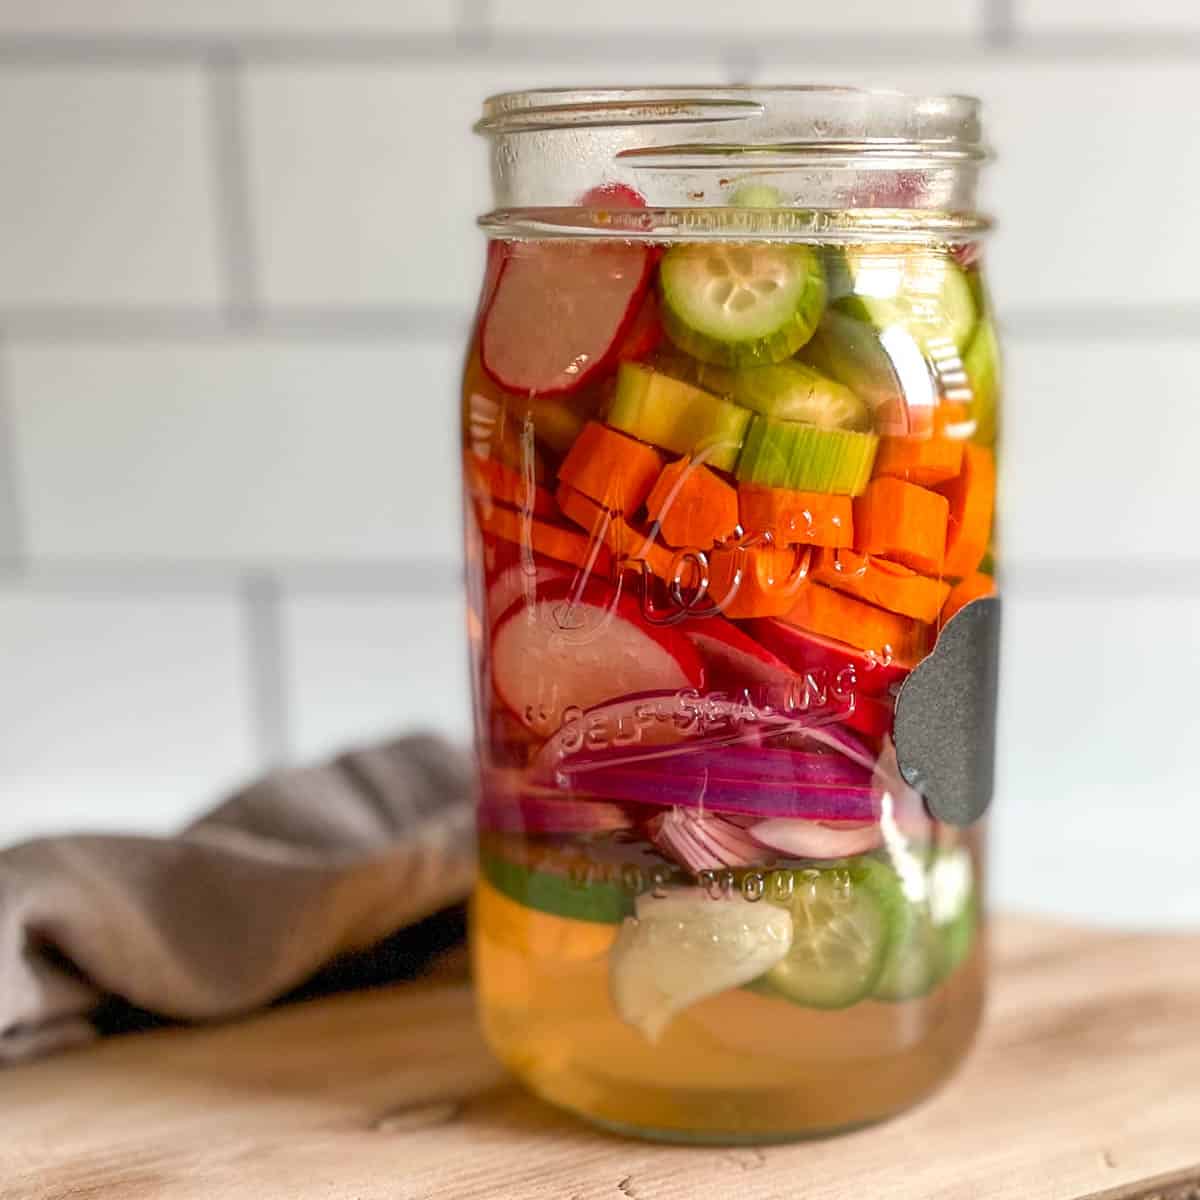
{"x": 824, "y": 115}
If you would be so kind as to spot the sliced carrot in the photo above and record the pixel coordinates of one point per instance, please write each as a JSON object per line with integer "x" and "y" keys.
{"x": 973, "y": 587}
{"x": 755, "y": 581}
{"x": 877, "y": 581}
{"x": 693, "y": 505}
{"x": 809, "y": 518}
{"x": 903, "y": 522}
{"x": 972, "y": 499}
{"x": 490, "y": 481}
{"x": 554, "y": 541}
{"x": 949, "y": 415}
{"x": 611, "y": 468}
{"x": 924, "y": 461}
{"x": 891, "y": 637}
{"x": 618, "y": 536}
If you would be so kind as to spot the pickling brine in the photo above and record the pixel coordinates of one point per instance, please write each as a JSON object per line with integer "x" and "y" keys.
{"x": 730, "y": 495}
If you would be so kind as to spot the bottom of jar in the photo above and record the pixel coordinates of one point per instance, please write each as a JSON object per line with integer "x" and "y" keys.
{"x": 677, "y": 1092}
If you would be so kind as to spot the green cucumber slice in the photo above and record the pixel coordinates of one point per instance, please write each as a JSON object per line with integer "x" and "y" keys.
{"x": 934, "y": 935}
{"x": 843, "y": 922}
{"x": 788, "y": 454}
{"x": 601, "y": 902}
{"x": 981, "y": 364}
{"x": 927, "y": 293}
{"x": 792, "y": 391}
{"x": 667, "y": 412}
{"x": 741, "y": 304}
{"x": 914, "y": 962}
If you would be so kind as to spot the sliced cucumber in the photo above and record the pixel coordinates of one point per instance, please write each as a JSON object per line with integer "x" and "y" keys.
{"x": 934, "y": 935}
{"x": 788, "y": 454}
{"x": 756, "y": 195}
{"x": 602, "y": 902}
{"x": 914, "y": 963}
{"x": 667, "y": 412}
{"x": 844, "y": 920}
{"x": 792, "y": 391}
{"x": 741, "y": 304}
{"x": 981, "y": 364}
{"x": 925, "y": 292}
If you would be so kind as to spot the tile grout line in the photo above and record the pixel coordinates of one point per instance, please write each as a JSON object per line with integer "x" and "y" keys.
{"x": 473, "y": 26}
{"x": 231, "y": 173}
{"x": 387, "y": 47}
{"x": 266, "y": 667}
{"x": 12, "y": 524}
{"x": 1000, "y": 25}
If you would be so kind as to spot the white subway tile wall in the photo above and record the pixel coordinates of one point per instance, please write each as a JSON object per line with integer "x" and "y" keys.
{"x": 1107, "y": 16}
{"x": 764, "y": 17}
{"x": 109, "y": 198}
{"x": 237, "y": 262}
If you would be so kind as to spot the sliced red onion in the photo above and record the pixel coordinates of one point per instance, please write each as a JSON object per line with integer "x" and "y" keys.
{"x": 816, "y": 839}
{"x": 758, "y": 782}
{"x": 506, "y": 809}
{"x": 702, "y": 841}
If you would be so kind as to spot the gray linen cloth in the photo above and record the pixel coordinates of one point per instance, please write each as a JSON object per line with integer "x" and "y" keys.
{"x": 299, "y": 868}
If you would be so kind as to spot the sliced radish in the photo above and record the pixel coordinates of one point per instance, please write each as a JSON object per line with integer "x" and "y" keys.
{"x": 559, "y": 311}
{"x": 566, "y": 652}
{"x": 497, "y": 252}
{"x": 816, "y": 839}
{"x": 803, "y": 651}
{"x": 613, "y": 195}
{"x": 871, "y": 715}
{"x": 644, "y": 334}
{"x": 633, "y": 722}
{"x": 520, "y": 582}
{"x": 733, "y": 660}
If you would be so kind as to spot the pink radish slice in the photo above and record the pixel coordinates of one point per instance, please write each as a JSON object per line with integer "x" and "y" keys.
{"x": 630, "y": 723}
{"x": 804, "y": 651}
{"x": 516, "y": 583}
{"x": 816, "y": 839}
{"x": 613, "y": 195}
{"x": 559, "y": 311}
{"x": 870, "y": 715}
{"x": 504, "y": 810}
{"x": 733, "y": 660}
{"x": 565, "y": 652}
{"x": 702, "y": 841}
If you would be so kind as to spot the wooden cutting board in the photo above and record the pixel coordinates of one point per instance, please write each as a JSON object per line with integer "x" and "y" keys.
{"x": 1086, "y": 1083}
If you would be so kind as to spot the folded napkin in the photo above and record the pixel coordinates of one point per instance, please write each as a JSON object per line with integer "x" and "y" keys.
{"x": 296, "y": 870}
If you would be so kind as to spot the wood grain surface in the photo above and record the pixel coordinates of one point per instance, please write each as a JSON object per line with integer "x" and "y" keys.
{"x": 1086, "y": 1083}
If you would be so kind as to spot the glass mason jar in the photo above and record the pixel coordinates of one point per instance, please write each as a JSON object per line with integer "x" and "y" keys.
{"x": 729, "y": 422}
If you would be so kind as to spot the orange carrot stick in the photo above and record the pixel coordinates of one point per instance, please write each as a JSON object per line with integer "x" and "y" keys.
{"x": 554, "y": 541}
{"x": 611, "y": 468}
{"x": 901, "y": 521}
{"x": 948, "y": 415}
{"x": 972, "y": 497}
{"x": 755, "y": 581}
{"x": 973, "y": 587}
{"x": 619, "y": 537}
{"x": 877, "y": 581}
{"x": 693, "y": 506}
{"x": 490, "y": 481}
{"x": 924, "y": 461}
{"x": 891, "y": 637}
{"x": 809, "y": 518}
